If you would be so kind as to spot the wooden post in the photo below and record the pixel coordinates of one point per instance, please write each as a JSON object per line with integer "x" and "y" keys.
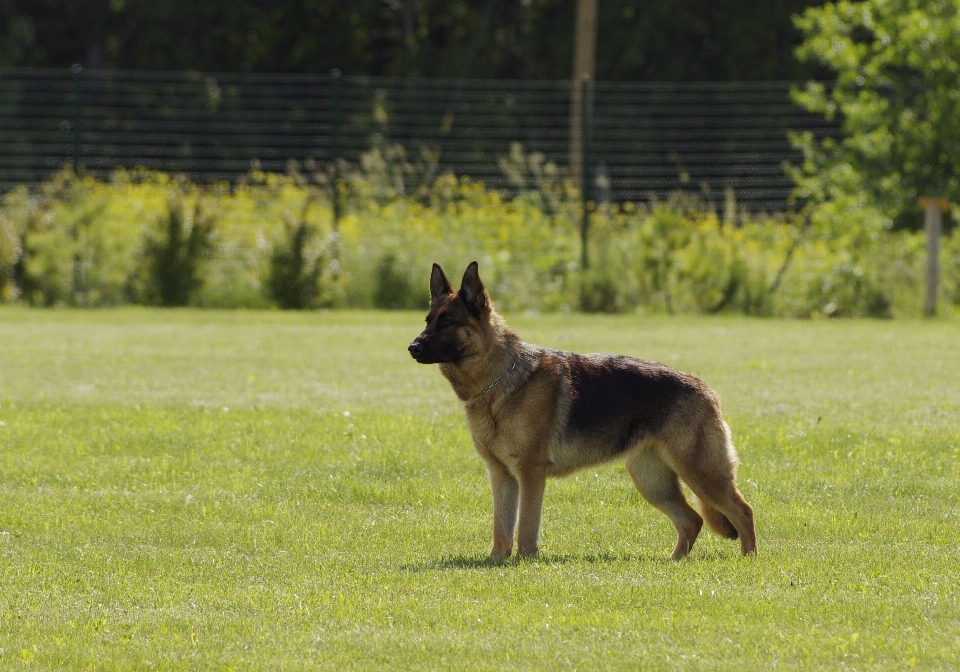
{"x": 335, "y": 177}
{"x": 77, "y": 118}
{"x": 585, "y": 191}
{"x": 335, "y": 147}
{"x": 584, "y": 50}
{"x": 932, "y": 208}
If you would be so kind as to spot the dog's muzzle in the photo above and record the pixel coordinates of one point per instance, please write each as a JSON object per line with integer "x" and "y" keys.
{"x": 416, "y": 350}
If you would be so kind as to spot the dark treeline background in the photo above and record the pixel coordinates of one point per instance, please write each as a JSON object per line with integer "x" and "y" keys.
{"x": 653, "y": 40}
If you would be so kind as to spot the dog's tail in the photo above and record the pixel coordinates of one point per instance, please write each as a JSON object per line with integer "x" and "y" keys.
{"x": 716, "y": 521}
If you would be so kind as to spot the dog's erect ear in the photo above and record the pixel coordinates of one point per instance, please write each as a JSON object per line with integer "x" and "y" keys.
{"x": 472, "y": 291}
{"x": 439, "y": 285}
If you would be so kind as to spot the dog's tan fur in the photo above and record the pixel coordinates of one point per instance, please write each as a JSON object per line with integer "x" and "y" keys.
{"x": 536, "y": 412}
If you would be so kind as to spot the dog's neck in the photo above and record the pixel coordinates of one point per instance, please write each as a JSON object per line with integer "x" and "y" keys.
{"x": 494, "y": 361}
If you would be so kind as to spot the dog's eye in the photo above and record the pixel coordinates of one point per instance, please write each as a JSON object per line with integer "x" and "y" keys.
{"x": 445, "y": 322}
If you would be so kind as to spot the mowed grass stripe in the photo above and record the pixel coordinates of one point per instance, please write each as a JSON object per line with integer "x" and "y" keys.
{"x": 845, "y": 372}
{"x": 266, "y": 536}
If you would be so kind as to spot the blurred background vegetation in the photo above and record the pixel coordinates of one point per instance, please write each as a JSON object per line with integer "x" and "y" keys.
{"x": 150, "y": 238}
{"x": 886, "y": 72}
{"x": 657, "y": 40}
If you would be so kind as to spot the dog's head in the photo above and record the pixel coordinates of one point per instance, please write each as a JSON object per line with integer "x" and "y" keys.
{"x": 456, "y": 321}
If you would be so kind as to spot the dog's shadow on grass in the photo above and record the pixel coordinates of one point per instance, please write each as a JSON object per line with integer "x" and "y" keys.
{"x": 474, "y": 562}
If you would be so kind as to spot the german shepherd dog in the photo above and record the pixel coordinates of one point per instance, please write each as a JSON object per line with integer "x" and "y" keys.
{"x": 536, "y": 412}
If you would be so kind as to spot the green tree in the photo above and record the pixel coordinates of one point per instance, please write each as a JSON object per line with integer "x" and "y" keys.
{"x": 657, "y": 40}
{"x": 897, "y": 98}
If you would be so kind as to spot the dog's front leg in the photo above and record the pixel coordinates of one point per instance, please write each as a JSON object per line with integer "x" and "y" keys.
{"x": 506, "y": 494}
{"x": 533, "y": 482}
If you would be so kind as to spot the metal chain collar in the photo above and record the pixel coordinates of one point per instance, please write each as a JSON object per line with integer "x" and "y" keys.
{"x": 497, "y": 380}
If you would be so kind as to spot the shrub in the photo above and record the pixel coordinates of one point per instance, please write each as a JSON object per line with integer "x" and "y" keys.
{"x": 173, "y": 259}
{"x": 19, "y": 212}
{"x": 394, "y": 288}
{"x": 303, "y": 270}
{"x": 294, "y": 279}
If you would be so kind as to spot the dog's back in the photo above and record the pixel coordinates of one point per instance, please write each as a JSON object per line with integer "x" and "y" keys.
{"x": 617, "y": 403}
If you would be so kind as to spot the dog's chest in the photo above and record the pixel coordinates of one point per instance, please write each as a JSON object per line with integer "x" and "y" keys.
{"x": 513, "y": 435}
{"x": 493, "y": 438}
{"x": 519, "y": 424}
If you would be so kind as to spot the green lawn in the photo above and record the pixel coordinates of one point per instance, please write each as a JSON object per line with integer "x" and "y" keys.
{"x": 229, "y": 490}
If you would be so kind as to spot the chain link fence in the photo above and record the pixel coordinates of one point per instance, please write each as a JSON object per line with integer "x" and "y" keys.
{"x": 648, "y": 140}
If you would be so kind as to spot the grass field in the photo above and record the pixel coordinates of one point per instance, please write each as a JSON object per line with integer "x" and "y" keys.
{"x": 229, "y": 490}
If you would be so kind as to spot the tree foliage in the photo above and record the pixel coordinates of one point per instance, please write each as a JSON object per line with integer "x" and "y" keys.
{"x": 897, "y": 96}
{"x": 659, "y": 40}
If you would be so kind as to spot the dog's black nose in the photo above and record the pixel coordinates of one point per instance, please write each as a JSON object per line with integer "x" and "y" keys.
{"x": 415, "y": 349}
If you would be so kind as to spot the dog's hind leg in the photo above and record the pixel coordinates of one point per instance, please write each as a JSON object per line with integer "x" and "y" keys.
{"x": 659, "y": 485}
{"x": 740, "y": 514}
{"x": 730, "y": 508}
{"x": 506, "y": 497}
{"x": 716, "y": 521}
{"x": 714, "y": 483}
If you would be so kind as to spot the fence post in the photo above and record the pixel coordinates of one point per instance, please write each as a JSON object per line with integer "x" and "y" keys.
{"x": 584, "y": 63}
{"x": 585, "y": 176}
{"x": 335, "y": 147}
{"x": 932, "y": 207}
{"x": 77, "y": 117}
